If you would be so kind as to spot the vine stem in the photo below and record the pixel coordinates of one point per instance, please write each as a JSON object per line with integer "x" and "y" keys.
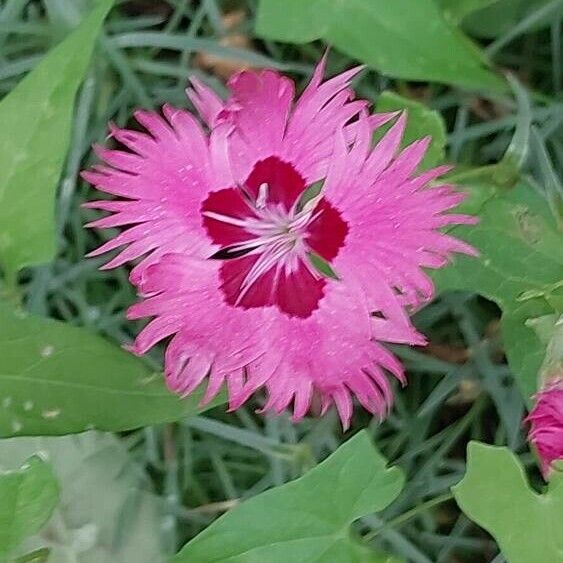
{"x": 486, "y": 170}
{"x": 410, "y": 514}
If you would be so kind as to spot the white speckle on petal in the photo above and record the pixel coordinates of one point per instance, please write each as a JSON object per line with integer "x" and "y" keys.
{"x": 50, "y": 414}
{"x": 6, "y": 402}
{"x": 28, "y": 405}
{"x": 16, "y": 426}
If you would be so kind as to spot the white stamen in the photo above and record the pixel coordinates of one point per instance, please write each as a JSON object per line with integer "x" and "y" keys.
{"x": 312, "y": 203}
{"x": 262, "y": 196}
{"x": 276, "y": 235}
{"x": 269, "y": 258}
{"x": 225, "y": 219}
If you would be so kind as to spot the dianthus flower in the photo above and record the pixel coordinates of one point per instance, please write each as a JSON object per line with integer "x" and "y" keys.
{"x": 278, "y": 248}
{"x": 546, "y": 425}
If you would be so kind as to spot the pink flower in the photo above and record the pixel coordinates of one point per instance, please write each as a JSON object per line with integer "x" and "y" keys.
{"x": 259, "y": 281}
{"x": 546, "y": 425}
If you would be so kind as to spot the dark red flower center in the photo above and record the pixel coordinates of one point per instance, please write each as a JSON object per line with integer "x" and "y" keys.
{"x": 272, "y": 241}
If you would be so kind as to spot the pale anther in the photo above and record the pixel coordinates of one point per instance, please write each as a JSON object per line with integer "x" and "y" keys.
{"x": 262, "y": 196}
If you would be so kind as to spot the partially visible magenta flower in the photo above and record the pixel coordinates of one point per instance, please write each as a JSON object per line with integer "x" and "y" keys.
{"x": 278, "y": 248}
{"x": 546, "y": 425}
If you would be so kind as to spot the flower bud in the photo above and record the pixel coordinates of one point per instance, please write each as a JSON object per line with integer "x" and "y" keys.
{"x": 546, "y": 425}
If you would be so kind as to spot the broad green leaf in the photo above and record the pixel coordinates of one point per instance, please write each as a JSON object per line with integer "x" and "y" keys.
{"x": 36, "y": 120}
{"x": 422, "y": 121}
{"x": 520, "y": 268}
{"x": 403, "y": 39}
{"x": 307, "y": 520}
{"x": 545, "y": 327}
{"x": 28, "y": 496}
{"x": 58, "y": 379}
{"x": 501, "y": 17}
{"x": 457, "y": 10}
{"x": 495, "y": 494}
{"x": 293, "y": 21}
{"x": 107, "y": 512}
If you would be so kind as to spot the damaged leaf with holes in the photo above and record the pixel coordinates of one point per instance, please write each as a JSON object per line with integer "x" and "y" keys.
{"x": 59, "y": 379}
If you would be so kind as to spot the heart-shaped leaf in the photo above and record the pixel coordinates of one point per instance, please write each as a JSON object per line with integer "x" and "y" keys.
{"x": 307, "y": 520}
{"x": 495, "y": 494}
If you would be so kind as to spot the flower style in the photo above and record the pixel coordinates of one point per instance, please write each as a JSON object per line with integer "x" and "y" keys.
{"x": 276, "y": 247}
{"x": 546, "y": 425}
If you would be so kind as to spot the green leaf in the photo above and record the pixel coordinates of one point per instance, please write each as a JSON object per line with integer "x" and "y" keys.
{"x": 457, "y": 10}
{"x": 520, "y": 268}
{"x": 36, "y": 122}
{"x": 495, "y": 494}
{"x": 107, "y": 510}
{"x": 549, "y": 330}
{"x": 297, "y": 21}
{"x": 308, "y": 519}
{"x": 402, "y": 39}
{"x": 422, "y": 121}
{"x": 322, "y": 266}
{"x": 501, "y": 16}
{"x": 28, "y": 497}
{"x": 58, "y": 379}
